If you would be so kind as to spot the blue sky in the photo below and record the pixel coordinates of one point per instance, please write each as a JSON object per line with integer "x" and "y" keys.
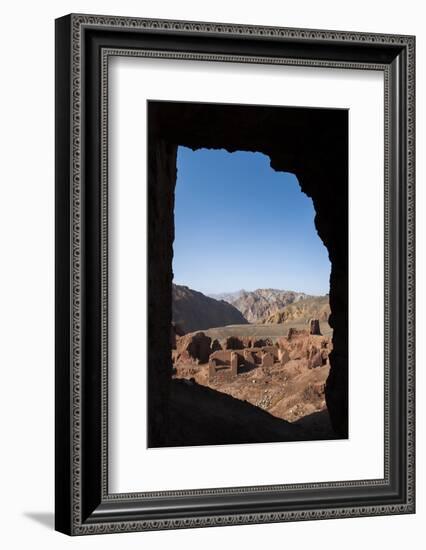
{"x": 239, "y": 224}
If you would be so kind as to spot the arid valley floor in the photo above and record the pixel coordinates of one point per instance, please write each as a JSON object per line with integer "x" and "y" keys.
{"x": 279, "y": 368}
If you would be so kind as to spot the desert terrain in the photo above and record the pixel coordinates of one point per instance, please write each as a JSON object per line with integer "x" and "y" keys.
{"x": 272, "y": 330}
{"x": 278, "y": 364}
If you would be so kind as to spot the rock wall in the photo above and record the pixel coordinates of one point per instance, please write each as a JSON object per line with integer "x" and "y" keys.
{"x": 310, "y": 143}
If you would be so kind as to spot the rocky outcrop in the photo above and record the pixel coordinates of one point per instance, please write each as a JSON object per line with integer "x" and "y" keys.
{"x": 193, "y": 311}
{"x": 259, "y": 304}
{"x": 294, "y": 333}
{"x": 317, "y": 360}
{"x": 317, "y": 307}
{"x": 302, "y": 345}
{"x": 193, "y": 348}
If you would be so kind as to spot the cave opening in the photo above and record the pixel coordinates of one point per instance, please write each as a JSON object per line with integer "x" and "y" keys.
{"x": 309, "y": 144}
{"x": 241, "y": 225}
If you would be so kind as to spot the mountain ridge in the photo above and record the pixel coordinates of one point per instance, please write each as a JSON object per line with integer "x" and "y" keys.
{"x": 256, "y": 305}
{"x": 193, "y": 310}
{"x": 317, "y": 307}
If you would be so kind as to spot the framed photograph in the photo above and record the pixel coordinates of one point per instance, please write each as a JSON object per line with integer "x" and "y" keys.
{"x": 234, "y": 274}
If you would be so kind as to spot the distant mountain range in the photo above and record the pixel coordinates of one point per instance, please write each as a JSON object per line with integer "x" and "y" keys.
{"x": 193, "y": 311}
{"x": 259, "y": 304}
{"x": 227, "y": 296}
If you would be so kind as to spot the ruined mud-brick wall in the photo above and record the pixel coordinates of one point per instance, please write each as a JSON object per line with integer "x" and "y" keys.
{"x": 310, "y": 143}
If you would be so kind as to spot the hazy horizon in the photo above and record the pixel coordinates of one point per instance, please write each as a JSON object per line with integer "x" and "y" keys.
{"x": 264, "y": 288}
{"x": 212, "y": 294}
{"x": 241, "y": 225}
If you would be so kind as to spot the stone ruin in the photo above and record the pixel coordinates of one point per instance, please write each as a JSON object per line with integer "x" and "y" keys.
{"x": 234, "y": 354}
{"x": 219, "y": 360}
{"x": 314, "y": 327}
{"x": 312, "y": 349}
{"x": 314, "y": 330}
{"x": 228, "y": 361}
{"x": 195, "y": 347}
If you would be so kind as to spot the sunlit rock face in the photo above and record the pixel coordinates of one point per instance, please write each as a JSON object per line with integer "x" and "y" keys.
{"x": 310, "y": 143}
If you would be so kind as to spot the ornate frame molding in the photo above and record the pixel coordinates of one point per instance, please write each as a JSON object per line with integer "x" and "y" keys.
{"x": 71, "y": 46}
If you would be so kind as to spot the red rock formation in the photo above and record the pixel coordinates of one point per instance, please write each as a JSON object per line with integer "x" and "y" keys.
{"x": 292, "y": 333}
{"x": 193, "y": 347}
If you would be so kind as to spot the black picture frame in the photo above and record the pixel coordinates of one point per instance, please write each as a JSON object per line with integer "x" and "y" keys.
{"x": 83, "y": 503}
